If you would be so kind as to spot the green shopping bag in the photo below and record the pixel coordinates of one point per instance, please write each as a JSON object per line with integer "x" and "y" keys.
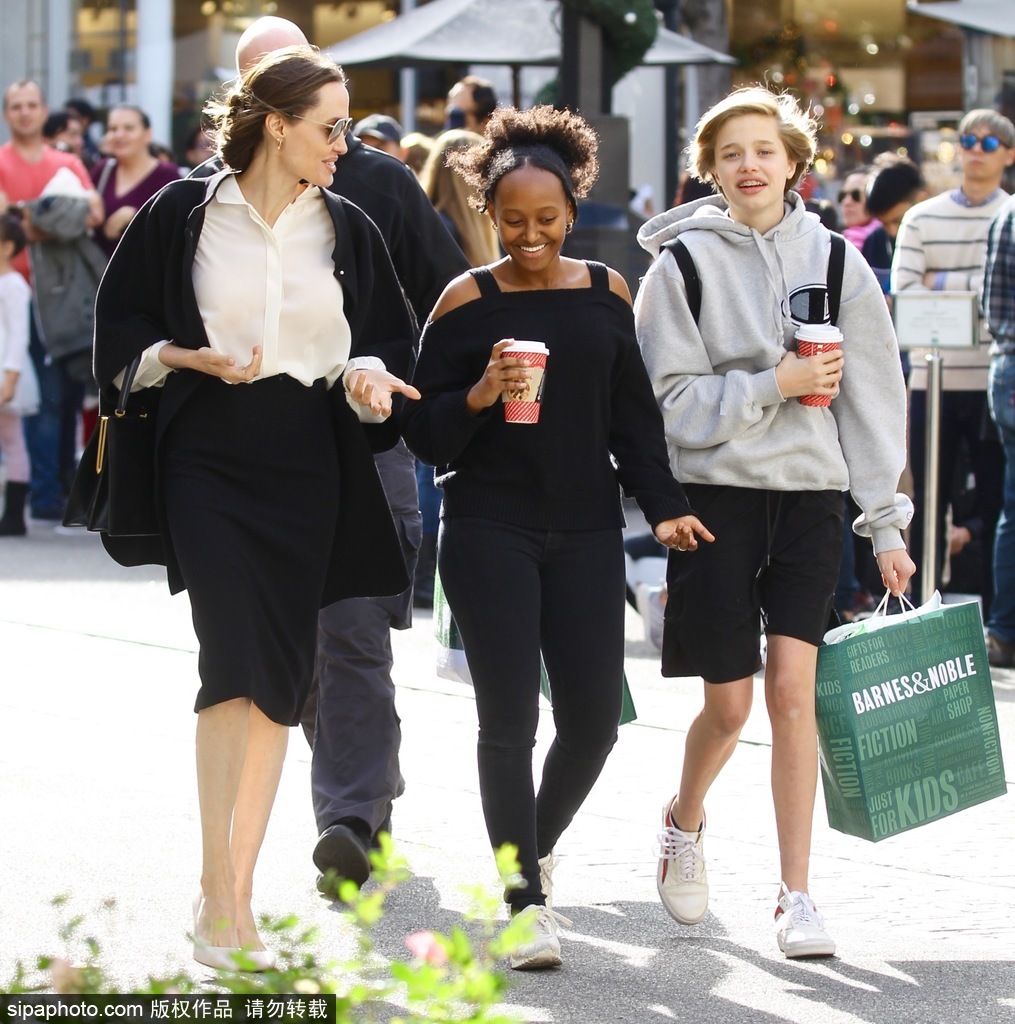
{"x": 451, "y": 662}
{"x": 907, "y": 728}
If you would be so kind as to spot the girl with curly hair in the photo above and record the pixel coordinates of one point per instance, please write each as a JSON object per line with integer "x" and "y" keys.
{"x": 530, "y": 550}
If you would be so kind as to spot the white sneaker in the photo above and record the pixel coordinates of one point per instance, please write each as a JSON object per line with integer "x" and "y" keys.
{"x": 681, "y": 878}
{"x": 546, "y": 866}
{"x": 801, "y": 928}
{"x": 651, "y": 602}
{"x": 543, "y": 950}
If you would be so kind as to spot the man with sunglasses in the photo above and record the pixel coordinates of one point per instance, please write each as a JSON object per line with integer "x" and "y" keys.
{"x": 942, "y": 246}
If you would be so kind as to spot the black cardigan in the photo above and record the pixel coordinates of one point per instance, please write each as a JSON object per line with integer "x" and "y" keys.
{"x": 599, "y": 424}
{"x": 147, "y": 295}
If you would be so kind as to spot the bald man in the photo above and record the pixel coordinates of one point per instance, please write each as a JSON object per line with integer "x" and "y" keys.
{"x": 350, "y": 717}
{"x": 265, "y": 36}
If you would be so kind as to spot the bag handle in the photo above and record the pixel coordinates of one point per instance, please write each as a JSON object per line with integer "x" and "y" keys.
{"x": 120, "y": 411}
{"x": 882, "y": 608}
{"x": 128, "y": 382}
{"x": 107, "y": 170}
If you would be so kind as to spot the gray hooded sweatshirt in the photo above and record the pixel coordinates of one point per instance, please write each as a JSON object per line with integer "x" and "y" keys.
{"x": 726, "y": 421}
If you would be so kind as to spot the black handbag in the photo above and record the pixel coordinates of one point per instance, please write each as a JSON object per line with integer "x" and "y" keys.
{"x": 114, "y": 487}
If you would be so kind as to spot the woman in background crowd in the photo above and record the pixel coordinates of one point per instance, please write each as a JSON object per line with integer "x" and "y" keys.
{"x": 449, "y": 194}
{"x": 129, "y": 175}
{"x": 857, "y": 223}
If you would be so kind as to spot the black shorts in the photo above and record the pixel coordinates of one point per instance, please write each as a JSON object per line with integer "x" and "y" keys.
{"x": 773, "y": 565}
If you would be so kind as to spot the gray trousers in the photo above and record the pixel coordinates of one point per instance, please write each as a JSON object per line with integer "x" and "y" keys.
{"x": 350, "y": 718}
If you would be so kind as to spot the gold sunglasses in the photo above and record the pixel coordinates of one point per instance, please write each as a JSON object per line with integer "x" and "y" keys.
{"x": 339, "y": 129}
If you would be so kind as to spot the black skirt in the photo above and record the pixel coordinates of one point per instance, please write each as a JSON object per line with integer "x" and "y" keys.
{"x": 251, "y": 487}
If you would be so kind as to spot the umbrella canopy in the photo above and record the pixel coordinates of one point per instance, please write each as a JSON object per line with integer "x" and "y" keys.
{"x": 990, "y": 16}
{"x": 518, "y": 32}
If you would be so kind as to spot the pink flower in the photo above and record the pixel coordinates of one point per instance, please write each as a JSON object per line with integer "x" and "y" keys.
{"x": 65, "y": 977}
{"x": 427, "y": 947}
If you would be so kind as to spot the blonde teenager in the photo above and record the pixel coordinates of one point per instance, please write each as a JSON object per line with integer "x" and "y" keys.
{"x": 765, "y": 472}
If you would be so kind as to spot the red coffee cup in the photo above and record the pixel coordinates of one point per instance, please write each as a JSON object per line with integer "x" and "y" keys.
{"x": 812, "y": 340}
{"x": 521, "y": 405}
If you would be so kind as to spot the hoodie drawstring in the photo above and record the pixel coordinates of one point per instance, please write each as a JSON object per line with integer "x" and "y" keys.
{"x": 771, "y": 522}
{"x": 777, "y": 281}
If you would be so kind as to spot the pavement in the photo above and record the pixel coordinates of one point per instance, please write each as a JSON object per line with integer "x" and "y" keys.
{"x": 97, "y": 801}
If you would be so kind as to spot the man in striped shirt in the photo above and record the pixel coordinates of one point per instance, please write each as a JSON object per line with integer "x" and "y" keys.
{"x": 942, "y": 246}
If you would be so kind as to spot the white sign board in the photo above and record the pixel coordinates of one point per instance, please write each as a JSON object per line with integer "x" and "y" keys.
{"x": 936, "y": 319}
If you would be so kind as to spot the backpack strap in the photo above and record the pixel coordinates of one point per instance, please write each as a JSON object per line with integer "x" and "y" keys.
{"x": 107, "y": 169}
{"x": 599, "y": 276}
{"x": 692, "y": 282}
{"x": 833, "y": 281}
{"x": 487, "y": 283}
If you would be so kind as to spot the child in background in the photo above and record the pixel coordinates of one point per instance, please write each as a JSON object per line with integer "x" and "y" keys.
{"x": 19, "y": 390}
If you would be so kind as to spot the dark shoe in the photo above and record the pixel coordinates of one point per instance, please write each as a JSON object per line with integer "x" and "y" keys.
{"x": 48, "y": 515}
{"x": 375, "y": 843}
{"x": 13, "y": 522}
{"x": 341, "y": 853}
{"x": 999, "y": 653}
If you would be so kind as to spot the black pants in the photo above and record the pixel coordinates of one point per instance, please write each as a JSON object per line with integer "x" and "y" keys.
{"x": 965, "y": 421}
{"x": 516, "y": 591}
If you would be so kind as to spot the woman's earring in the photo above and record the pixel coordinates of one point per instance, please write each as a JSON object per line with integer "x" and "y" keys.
{"x": 278, "y": 145}
{"x": 569, "y": 228}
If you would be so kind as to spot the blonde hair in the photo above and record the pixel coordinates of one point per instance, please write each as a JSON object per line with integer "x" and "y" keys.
{"x": 797, "y": 129}
{"x": 449, "y": 194}
{"x": 417, "y": 148}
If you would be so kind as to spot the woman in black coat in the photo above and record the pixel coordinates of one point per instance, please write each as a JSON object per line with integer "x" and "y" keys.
{"x": 269, "y": 502}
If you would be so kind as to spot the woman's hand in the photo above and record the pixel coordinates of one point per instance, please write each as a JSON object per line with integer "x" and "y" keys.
{"x": 680, "y": 533}
{"x": 117, "y": 221}
{"x": 215, "y": 364}
{"x": 799, "y": 375}
{"x": 500, "y": 375}
{"x": 897, "y": 569}
{"x": 375, "y": 388}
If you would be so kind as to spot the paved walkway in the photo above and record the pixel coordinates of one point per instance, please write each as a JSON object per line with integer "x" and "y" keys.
{"x": 97, "y": 800}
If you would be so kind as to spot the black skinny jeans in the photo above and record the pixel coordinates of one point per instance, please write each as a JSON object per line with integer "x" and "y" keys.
{"x": 514, "y": 591}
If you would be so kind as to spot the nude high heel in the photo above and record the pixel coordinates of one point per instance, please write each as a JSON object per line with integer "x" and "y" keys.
{"x": 228, "y": 958}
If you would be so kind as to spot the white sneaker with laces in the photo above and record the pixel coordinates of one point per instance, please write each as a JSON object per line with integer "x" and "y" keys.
{"x": 546, "y": 866}
{"x": 801, "y": 928}
{"x": 681, "y": 878}
{"x": 543, "y": 949}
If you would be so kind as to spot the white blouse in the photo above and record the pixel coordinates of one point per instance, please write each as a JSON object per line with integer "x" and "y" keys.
{"x": 272, "y": 286}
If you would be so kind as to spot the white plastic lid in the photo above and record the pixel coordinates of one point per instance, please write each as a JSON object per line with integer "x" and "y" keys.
{"x": 818, "y": 332}
{"x": 525, "y": 346}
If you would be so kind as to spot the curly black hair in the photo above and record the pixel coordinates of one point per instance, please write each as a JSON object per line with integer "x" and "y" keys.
{"x": 558, "y": 141}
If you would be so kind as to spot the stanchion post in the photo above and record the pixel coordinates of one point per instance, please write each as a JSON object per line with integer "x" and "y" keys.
{"x": 932, "y": 459}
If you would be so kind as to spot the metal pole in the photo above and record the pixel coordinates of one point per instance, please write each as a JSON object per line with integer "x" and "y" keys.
{"x": 570, "y": 29}
{"x": 672, "y": 115}
{"x": 932, "y": 451}
{"x": 408, "y": 85}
